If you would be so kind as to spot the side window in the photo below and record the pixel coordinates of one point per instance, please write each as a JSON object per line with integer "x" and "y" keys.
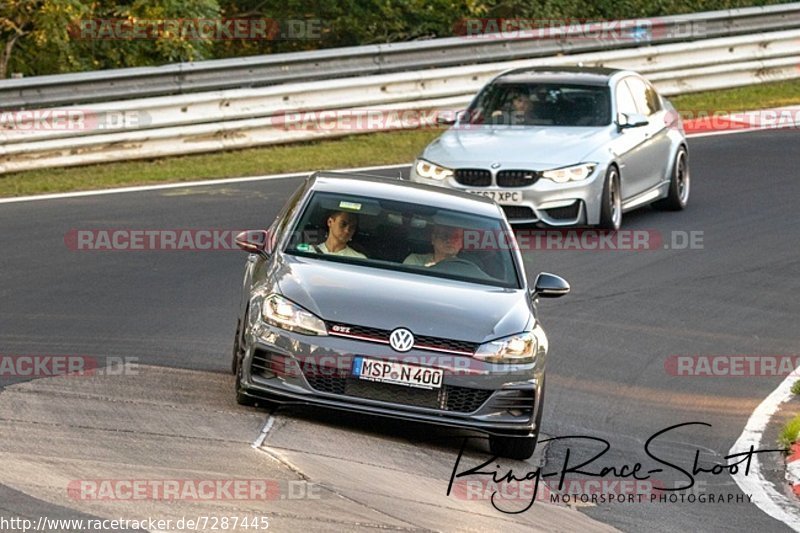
{"x": 279, "y": 225}
{"x": 644, "y": 95}
{"x": 625, "y": 102}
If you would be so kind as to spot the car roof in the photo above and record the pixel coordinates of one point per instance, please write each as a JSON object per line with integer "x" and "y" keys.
{"x": 404, "y": 191}
{"x": 566, "y": 74}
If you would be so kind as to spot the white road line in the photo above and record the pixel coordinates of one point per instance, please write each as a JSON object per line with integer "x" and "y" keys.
{"x": 289, "y": 175}
{"x": 99, "y": 192}
{"x": 263, "y": 435}
{"x": 763, "y": 492}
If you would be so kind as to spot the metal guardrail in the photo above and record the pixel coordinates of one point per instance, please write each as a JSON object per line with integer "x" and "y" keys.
{"x": 260, "y": 71}
{"x": 661, "y": 64}
{"x": 241, "y": 118}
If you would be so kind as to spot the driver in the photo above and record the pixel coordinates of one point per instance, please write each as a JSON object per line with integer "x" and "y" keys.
{"x": 447, "y": 242}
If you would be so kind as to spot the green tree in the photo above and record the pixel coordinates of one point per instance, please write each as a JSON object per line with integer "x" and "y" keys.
{"x": 28, "y": 26}
{"x": 44, "y": 37}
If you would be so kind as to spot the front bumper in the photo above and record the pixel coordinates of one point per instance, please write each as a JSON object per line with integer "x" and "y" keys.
{"x": 544, "y": 201}
{"x": 289, "y": 368}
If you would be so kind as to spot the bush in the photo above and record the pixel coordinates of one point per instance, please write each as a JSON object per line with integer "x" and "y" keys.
{"x": 35, "y": 35}
{"x": 789, "y": 433}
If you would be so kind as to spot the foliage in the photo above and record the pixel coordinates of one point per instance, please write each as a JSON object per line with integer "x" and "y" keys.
{"x": 37, "y": 36}
{"x": 44, "y": 37}
{"x": 789, "y": 433}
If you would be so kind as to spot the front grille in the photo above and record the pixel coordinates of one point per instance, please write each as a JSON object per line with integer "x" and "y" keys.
{"x": 270, "y": 364}
{"x": 436, "y": 343}
{"x": 421, "y": 342}
{"x": 569, "y": 212}
{"x": 473, "y": 177}
{"x": 392, "y": 393}
{"x": 514, "y": 400}
{"x": 261, "y": 363}
{"x": 325, "y": 378}
{"x": 329, "y": 384}
{"x": 376, "y": 334}
{"x": 465, "y": 399}
{"x": 516, "y": 178}
{"x": 518, "y": 212}
{"x": 448, "y": 398}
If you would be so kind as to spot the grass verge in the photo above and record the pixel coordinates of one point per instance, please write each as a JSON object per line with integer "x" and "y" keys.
{"x": 789, "y": 433}
{"x": 352, "y": 151}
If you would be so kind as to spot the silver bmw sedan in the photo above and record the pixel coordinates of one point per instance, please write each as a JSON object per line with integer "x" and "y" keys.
{"x": 564, "y": 146}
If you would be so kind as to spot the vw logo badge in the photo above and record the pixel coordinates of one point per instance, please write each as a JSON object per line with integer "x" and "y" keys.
{"x": 401, "y": 339}
{"x": 495, "y": 165}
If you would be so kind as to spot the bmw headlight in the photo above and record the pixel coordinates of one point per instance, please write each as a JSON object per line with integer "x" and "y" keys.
{"x": 573, "y": 173}
{"x": 426, "y": 169}
{"x": 285, "y": 314}
{"x": 520, "y": 348}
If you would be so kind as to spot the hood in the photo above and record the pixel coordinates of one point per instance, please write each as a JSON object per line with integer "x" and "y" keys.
{"x": 385, "y": 299}
{"x": 535, "y": 147}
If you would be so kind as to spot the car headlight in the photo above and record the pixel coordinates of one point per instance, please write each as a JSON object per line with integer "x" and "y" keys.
{"x": 426, "y": 169}
{"x": 285, "y": 314}
{"x": 520, "y": 348}
{"x": 573, "y": 173}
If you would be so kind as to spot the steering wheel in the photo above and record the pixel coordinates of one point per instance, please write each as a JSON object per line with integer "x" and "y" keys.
{"x": 460, "y": 267}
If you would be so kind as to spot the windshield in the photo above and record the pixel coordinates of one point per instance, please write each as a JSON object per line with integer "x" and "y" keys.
{"x": 541, "y": 104}
{"x": 406, "y": 237}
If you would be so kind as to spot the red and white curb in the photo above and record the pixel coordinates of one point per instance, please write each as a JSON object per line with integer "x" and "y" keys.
{"x": 793, "y": 468}
{"x": 764, "y": 494}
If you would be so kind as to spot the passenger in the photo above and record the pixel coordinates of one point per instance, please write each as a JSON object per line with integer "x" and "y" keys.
{"x": 341, "y": 227}
{"x": 447, "y": 242}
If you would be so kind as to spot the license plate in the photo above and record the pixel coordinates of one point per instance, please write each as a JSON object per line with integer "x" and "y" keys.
{"x": 501, "y": 197}
{"x": 397, "y": 373}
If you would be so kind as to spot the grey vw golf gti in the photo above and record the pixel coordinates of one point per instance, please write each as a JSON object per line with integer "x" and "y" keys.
{"x": 396, "y": 299}
{"x": 563, "y": 146}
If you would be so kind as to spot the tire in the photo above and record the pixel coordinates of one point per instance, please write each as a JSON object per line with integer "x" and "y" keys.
{"x": 235, "y": 355}
{"x": 520, "y": 448}
{"x": 679, "y": 184}
{"x": 611, "y": 201}
{"x": 241, "y": 397}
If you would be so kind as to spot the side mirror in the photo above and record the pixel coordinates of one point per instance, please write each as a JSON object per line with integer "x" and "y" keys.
{"x": 253, "y": 241}
{"x": 446, "y": 118}
{"x": 631, "y": 120}
{"x": 549, "y": 286}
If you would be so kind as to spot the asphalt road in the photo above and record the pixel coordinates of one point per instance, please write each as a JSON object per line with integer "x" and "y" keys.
{"x": 629, "y": 311}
